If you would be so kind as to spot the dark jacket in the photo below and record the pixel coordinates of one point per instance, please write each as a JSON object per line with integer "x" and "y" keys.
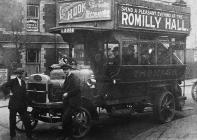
{"x": 18, "y": 99}
{"x": 72, "y": 87}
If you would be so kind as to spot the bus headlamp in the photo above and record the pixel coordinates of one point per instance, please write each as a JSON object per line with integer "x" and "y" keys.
{"x": 65, "y": 95}
{"x": 91, "y": 82}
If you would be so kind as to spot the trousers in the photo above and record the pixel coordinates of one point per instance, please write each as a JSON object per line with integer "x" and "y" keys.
{"x": 67, "y": 122}
{"x": 25, "y": 119}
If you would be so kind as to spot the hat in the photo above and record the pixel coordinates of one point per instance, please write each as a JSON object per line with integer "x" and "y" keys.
{"x": 19, "y": 71}
{"x": 66, "y": 66}
{"x": 70, "y": 65}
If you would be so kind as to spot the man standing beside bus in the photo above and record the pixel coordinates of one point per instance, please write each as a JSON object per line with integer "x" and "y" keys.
{"x": 18, "y": 103}
{"x": 71, "y": 99}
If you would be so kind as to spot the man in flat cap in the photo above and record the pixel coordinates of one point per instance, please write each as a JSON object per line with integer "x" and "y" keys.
{"x": 18, "y": 103}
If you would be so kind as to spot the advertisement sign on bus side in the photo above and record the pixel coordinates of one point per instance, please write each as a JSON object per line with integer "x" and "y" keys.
{"x": 144, "y": 18}
{"x": 87, "y": 10}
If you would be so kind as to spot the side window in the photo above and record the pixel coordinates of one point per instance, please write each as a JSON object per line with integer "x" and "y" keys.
{"x": 112, "y": 53}
{"x": 163, "y": 54}
{"x": 178, "y": 53}
{"x": 178, "y": 57}
{"x": 129, "y": 54}
{"x": 148, "y": 56}
{"x": 79, "y": 53}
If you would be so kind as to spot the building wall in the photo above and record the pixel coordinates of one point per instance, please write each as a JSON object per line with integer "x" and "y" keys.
{"x": 47, "y": 15}
{"x": 46, "y": 42}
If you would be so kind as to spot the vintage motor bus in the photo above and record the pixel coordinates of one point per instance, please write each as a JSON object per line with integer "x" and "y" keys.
{"x": 130, "y": 55}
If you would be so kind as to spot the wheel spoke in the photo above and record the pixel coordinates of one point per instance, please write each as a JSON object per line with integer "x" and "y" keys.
{"x": 18, "y": 121}
{"x": 165, "y": 101}
{"x": 194, "y": 93}
{"x": 22, "y": 126}
{"x": 171, "y": 110}
{"x": 169, "y": 102}
{"x": 84, "y": 126}
{"x": 81, "y": 124}
{"x": 166, "y": 107}
{"x": 162, "y": 109}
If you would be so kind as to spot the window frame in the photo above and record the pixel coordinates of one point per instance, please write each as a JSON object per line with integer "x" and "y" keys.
{"x": 37, "y": 59}
{"x": 33, "y": 18}
{"x": 36, "y": 13}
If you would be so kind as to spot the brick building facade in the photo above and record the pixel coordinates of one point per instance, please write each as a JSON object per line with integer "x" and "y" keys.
{"x": 39, "y": 49}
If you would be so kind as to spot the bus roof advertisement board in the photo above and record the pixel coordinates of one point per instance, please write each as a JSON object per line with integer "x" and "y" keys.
{"x": 86, "y": 10}
{"x": 150, "y": 19}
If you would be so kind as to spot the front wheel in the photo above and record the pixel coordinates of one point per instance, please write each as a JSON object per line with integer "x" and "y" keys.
{"x": 81, "y": 122}
{"x": 194, "y": 92}
{"x": 20, "y": 125}
{"x": 164, "y": 107}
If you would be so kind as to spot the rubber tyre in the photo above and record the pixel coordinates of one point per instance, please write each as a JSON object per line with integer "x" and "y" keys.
{"x": 81, "y": 122}
{"x": 20, "y": 125}
{"x": 164, "y": 107}
{"x": 194, "y": 92}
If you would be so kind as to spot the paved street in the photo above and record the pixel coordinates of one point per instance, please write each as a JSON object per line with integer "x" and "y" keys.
{"x": 123, "y": 127}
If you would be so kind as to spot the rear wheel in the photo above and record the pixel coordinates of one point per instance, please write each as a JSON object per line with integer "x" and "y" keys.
{"x": 81, "y": 122}
{"x": 194, "y": 92}
{"x": 164, "y": 107}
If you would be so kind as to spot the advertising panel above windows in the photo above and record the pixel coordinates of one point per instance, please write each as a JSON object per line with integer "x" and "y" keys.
{"x": 86, "y": 10}
{"x": 150, "y": 19}
{"x": 32, "y": 25}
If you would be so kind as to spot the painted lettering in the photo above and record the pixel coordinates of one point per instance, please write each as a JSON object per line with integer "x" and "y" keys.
{"x": 70, "y": 14}
{"x": 173, "y": 26}
{"x": 75, "y": 11}
{"x": 151, "y": 22}
{"x": 131, "y": 19}
{"x": 168, "y": 23}
{"x": 146, "y": 22}
{"x": 183, "y": 26}
{"x": 124, "y": 18}
{"x": 144, "y": 18}
{"x": 157, "y": 20}
{"x": 138, "y": 21}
